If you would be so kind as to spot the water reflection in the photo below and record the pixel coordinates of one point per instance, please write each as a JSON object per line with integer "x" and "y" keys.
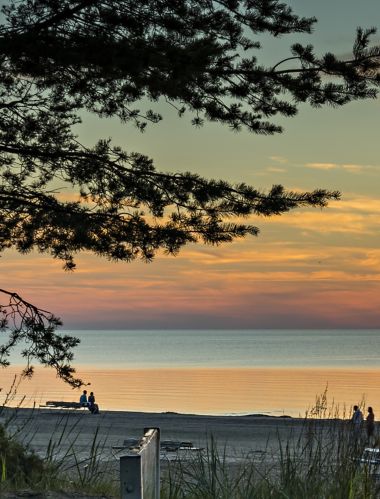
{"x": 205, "y": 391}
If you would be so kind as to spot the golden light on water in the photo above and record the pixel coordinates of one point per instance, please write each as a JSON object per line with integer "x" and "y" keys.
{"x": 207, "y": 391}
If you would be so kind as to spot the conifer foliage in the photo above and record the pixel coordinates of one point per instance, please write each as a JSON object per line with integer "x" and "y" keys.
{"x": 121, "y": 58}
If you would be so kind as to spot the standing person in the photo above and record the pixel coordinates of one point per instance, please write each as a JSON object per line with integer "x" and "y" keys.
{"x": 94, "y": 408}
{"x": 83, "y": 399}
{"x": 357, "y": 420}
{"x": 370, "y": 426}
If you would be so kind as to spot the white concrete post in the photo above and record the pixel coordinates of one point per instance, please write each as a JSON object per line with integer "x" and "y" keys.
{"x": 140, "y": 468}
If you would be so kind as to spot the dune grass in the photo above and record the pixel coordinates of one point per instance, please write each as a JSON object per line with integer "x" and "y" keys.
{"x": 313, "y": 469}
{"x": 58, "y": 470}
{"x": 320, "y": 462}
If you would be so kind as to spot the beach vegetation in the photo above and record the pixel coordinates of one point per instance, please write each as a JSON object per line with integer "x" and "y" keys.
{"x": 324, "y": 466}
{"x": 60, "y": 469}
{"x": 62, "y": 62}
{"x": 320, "y": 459}
{"x": 79, "y": 471}
{"x": 19, "y": 465}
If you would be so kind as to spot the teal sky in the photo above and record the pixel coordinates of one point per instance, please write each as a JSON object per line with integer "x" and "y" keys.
{"x": 307, "y": 269}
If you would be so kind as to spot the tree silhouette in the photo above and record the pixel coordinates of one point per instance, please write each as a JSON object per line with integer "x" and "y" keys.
{"x": 62, "y": 58}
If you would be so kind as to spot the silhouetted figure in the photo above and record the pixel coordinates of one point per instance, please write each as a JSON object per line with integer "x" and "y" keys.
{"x": 370, "y": 425}
{"x": 94, "y": 408}
{"x": 357, "y": 422}
{"x": 83, "y": 399}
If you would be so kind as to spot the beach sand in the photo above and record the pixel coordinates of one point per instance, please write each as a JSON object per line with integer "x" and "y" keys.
{"x": 237, "y": 436}
{"x": 256, "y": 437}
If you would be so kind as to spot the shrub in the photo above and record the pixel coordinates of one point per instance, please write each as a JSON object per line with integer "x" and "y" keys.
{"x": 19, "y": 465}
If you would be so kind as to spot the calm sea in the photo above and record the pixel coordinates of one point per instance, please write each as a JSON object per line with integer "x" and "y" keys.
{"x": 220, "y": 372}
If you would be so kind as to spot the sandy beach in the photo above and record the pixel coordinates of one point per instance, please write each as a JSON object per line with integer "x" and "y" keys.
{"x": 238, "y": 436}
{"x": 242, "y": 441}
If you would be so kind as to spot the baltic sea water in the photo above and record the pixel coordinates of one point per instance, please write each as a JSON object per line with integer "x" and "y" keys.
{"x": 221, "y": 371}
{"x": 229, "y": 348}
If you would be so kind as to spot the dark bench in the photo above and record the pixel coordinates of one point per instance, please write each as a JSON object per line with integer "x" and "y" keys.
{"x": 52, "y": 404}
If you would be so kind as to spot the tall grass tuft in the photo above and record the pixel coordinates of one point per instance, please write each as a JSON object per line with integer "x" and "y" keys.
{"x": 321, "y": 462}
{"x": 20, "y": 467}
{"x": 58, "y": 471}
{"x": 62, "y": 468}
{"x": 86, "y": 471}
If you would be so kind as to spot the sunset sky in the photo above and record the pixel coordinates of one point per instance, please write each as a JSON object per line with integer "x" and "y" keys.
{"x": 307, "y": 269}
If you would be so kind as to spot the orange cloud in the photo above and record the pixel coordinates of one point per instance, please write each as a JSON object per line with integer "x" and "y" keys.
{"x": 348, "y": 167}
{"x": 322, "y": 166}
{"x": 279, "y": 159}
{"x": 272, "y": 169}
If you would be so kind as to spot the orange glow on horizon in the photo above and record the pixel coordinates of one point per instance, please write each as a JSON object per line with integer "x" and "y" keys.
{"x": 310, "y": 267}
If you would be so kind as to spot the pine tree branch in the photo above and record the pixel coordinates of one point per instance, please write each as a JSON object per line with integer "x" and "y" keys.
{"x": 34, "y": 329}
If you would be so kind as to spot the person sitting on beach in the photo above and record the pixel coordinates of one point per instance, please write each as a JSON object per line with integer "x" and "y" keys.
{"x": 370, "y": 426}
{"x": 83, "y": 399}
{"x": 94, "y": 408}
